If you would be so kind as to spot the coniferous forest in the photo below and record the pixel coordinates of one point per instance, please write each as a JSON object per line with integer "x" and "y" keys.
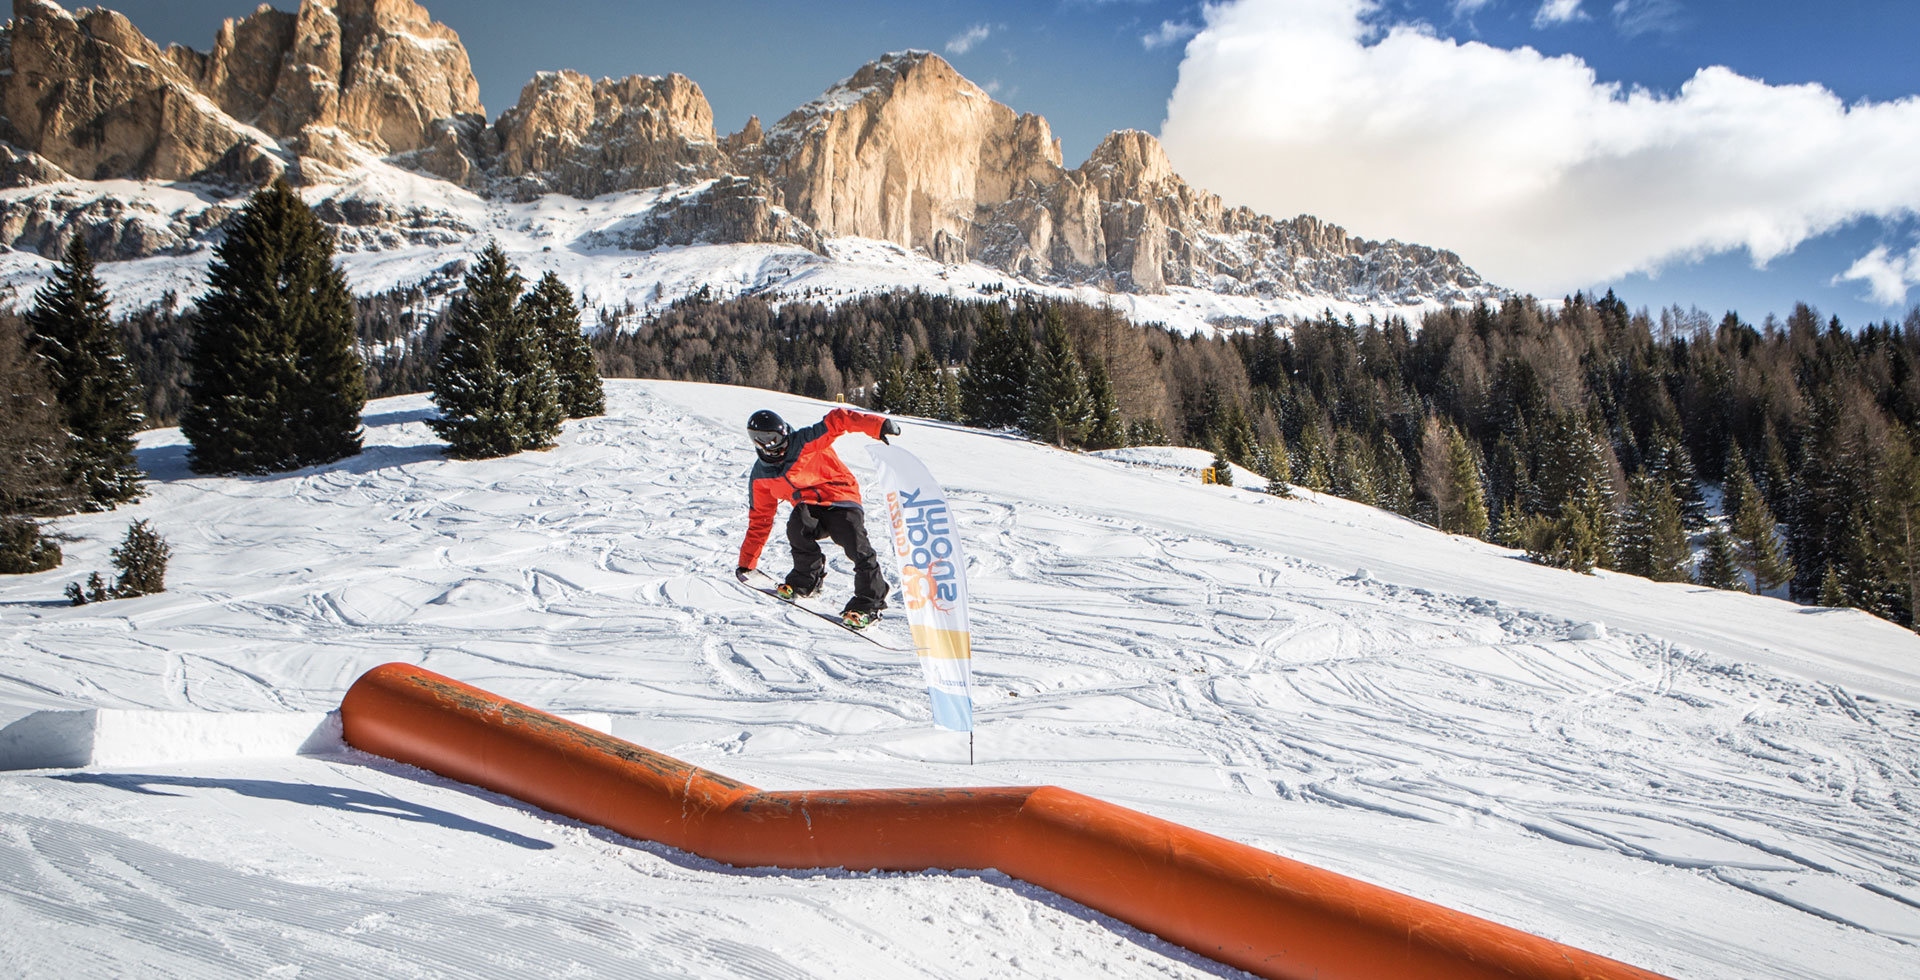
{"x": 1777, "y": 456}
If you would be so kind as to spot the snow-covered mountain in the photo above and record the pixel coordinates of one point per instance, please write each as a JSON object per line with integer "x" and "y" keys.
{"x": 905, "y": 173}
{"x": 1706, "y": 784}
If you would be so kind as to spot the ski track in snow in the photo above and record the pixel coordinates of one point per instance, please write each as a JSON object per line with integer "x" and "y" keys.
{"x": 1730, "y": 819}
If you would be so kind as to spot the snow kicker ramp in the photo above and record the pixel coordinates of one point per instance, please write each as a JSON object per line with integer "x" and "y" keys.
{"x": 1237, "y": 904}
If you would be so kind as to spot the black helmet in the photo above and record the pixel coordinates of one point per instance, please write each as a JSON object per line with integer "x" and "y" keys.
{"x": 769, "y": 433}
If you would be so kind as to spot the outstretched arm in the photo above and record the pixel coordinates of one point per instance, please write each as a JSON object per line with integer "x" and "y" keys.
{"x": 844, "y": 420}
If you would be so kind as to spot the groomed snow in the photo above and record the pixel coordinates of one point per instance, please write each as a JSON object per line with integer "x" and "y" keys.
{"x": 1703, "y": 784}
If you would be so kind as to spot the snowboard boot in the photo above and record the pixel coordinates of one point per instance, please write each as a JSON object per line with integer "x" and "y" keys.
{"x": 790, "y": 593}
{"x": 854, "y": 619}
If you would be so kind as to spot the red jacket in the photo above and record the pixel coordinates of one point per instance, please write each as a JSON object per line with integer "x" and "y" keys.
{"x": 810, "y": 473}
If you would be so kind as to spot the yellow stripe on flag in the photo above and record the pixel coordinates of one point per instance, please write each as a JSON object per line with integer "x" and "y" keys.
{"x": 943, "y": 644}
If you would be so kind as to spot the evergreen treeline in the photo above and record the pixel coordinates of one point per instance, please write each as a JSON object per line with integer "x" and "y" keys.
{"x": 1580, "y": 432}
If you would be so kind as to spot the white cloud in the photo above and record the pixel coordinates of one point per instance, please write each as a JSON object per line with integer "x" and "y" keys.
{"x": 1539, "y": 175}
{"x": 1555, "y": 12}
{"x": 1888, "y": 276}
{"x": 964, "y": 41}
{"x": 1467, "y": 8}
{"x": 1169, "y": 32}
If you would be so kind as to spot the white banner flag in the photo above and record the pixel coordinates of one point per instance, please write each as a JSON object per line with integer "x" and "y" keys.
{"x": 933, "y": 579}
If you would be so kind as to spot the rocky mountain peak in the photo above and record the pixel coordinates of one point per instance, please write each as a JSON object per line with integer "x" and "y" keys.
{"x": 904, "y": 150}
{"x": 381, "y": 71}
{"x": 571, "y": 135}
{"x": 1129, "y": 157}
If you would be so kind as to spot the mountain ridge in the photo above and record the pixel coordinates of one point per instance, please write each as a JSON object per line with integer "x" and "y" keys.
{"x": 905, "y": 151}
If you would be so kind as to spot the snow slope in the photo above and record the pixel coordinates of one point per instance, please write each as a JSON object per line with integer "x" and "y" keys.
{"x": 1704, "y": 784}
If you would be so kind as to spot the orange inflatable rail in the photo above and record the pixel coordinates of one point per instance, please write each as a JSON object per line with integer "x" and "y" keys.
{"x": 1237, "y": 904}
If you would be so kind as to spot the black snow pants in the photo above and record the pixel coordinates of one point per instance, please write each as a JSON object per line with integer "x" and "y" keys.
{"x": 847, "y": 527}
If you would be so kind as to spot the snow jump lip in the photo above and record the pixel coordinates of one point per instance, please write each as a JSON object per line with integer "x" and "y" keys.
{"x": 1240, "y": 905}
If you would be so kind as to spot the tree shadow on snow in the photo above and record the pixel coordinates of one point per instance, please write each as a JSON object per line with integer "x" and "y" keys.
{"x": 334, "y": 797}
{"x": 165, "y": 464}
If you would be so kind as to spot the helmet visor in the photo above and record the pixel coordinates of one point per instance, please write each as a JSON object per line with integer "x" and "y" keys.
{"x": 762, "y": 437}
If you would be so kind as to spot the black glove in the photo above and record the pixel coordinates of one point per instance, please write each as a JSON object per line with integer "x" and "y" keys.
{"x": 889, "y": 428}
{"x": 742, "y": 572}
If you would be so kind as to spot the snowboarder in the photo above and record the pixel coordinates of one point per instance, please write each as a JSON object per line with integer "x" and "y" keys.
{"x": 799, "y": 466}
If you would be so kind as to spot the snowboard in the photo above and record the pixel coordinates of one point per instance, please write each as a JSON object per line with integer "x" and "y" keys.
{"x": 835, "y": 620}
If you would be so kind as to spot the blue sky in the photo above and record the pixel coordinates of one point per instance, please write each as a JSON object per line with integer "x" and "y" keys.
{"x": 1090, "y": 66}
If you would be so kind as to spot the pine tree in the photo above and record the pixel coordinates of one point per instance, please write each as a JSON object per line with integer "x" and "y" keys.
{"x": 1738, "y": 481}
{"x": 1720, "y": 563}
{"x": 890, "y": 391}
{"x": 494, "y": 386}
{"x": 34, "y": 470}
{"x": 1313, "y": 464}
{"x": 275, "y": 380}
{"x": 1893, "y": 533}
{"x": 142, "y": 561}
{"x": 1514, "y": 529}
{"x": 1276, "y": 469}
{"x": 1221, "y": 470}
{"x": 72, "y": 333}
{"x": 1469, "y": 513}
{"x": 1237, "y": 437}
{"x": 1653, "y": 542}
{"x": 1833, "y": 593}
{"x": 554, "y": 316}
{"x": 1671, "y": 464}
{"x": 1436, "y": 477}
{"x": 1109, "y": 430}
{"x": 1393, "y": 488}
{"x": 1353, "y": 475}
{"x": 1058, "y": 408}
{"x": 1756, "y": 536}
{"x": 995, "y": 392}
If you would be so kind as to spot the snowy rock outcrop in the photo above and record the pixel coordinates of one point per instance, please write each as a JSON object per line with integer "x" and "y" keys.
{"x": 727, "y": 211}
{"x": 570, "y": 135}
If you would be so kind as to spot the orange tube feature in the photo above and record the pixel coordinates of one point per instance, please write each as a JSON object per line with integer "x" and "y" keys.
{"x": 1243, "y": 906}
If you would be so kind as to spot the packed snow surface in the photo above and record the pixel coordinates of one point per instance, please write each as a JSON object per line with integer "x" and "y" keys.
{"x": 1706, "y": 784}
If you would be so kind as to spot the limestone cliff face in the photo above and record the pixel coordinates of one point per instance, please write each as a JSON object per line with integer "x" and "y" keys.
{"x": 380, "y": 72}
{"x": 571, "y": 135}
{"x": 905, "y": 150}
{"x": 93, "y": 97}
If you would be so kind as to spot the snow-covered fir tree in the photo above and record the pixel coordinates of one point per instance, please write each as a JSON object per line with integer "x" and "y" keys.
{"x": 34, "y": 475}
{"x": 495, "y": 388}
{"x": 275, "y": 381}
{"x": 1058, "y": 408}
{"x": 995, "y": 391}
{"x": 550, "y": 307}
{"x": 72, "y": 333}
